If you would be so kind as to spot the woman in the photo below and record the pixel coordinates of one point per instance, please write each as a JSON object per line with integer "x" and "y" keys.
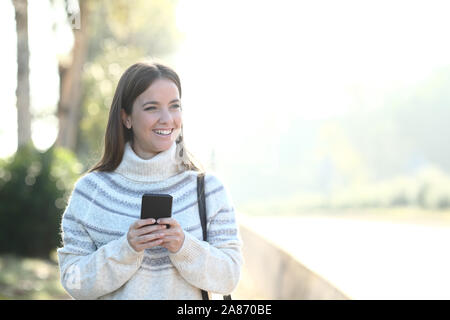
{"x": 108, "y": 251}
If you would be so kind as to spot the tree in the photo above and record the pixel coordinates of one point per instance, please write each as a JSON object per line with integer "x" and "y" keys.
{"x": 112, "y": 36}
{"x": 70, "y": 80}
{"x": 23, "y": 71}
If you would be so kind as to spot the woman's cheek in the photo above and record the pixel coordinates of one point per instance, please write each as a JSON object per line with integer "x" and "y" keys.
{"x": 149, "y": 120}
{"x": 178, "y": 121}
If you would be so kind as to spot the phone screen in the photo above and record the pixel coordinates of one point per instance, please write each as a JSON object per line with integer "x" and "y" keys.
{"x": 156, "y": 206}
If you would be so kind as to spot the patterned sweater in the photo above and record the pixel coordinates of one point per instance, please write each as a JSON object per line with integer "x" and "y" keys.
{"x": 96, "y": 260}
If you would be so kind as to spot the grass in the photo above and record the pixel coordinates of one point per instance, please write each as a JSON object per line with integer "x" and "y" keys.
{"x": 30, "y": 279}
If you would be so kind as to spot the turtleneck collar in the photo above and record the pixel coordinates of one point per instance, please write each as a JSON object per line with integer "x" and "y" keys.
{"x": 160, "y": 167}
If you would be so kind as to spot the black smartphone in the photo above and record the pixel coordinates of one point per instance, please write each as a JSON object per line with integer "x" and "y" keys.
{"x": 156, "y": 206}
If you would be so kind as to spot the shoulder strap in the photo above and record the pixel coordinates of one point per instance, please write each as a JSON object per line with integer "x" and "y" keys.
{"x": 202, "y": 212}
{"x": 202, "y": 203}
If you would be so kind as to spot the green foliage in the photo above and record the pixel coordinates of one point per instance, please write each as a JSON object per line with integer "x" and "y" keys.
{"x": 34, "y": 188}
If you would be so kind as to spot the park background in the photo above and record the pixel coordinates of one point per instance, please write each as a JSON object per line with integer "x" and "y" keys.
{"x": 303, "y": 108}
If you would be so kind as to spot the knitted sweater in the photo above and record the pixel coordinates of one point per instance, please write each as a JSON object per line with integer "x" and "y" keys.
{"x": 97, "y": 261}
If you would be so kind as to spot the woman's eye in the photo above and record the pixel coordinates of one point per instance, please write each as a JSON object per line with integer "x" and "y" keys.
{"x": 175, "y": 106}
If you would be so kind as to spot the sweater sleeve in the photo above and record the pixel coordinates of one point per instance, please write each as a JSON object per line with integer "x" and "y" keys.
{"x": 88, "y": 272}
{"x": 215, "y": 265}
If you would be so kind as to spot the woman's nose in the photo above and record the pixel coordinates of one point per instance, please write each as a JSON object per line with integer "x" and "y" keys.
{"x": 165, "y": 116}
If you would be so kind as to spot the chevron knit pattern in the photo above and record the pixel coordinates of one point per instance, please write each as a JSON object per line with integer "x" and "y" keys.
{"x": 96, "y": 260}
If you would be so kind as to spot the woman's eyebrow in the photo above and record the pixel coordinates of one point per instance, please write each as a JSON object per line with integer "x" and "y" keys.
{"x": 157, "y": 103}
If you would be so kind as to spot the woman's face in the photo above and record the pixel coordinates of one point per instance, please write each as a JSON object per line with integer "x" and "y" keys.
{"x": 155, "y": 119}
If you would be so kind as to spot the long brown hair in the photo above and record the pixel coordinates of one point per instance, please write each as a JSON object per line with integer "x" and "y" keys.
{"x": 135, "y": 80}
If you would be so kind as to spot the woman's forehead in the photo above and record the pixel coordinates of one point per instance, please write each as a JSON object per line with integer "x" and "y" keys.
{"x": 161, "y": 90}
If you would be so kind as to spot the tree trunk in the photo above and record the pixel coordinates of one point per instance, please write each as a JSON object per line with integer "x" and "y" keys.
{"x": 69, "y": 104}
{"x": 23, "y": 82}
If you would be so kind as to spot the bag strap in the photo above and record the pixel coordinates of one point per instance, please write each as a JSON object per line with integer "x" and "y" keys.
{"x": 201, "y": 203}
{"x": 202, "y": 212}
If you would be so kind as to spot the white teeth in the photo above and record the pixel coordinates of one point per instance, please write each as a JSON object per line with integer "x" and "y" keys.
{"x": 163, "y": 132}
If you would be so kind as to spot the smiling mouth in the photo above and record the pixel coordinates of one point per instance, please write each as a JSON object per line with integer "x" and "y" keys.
{"x": 163, "y": 132}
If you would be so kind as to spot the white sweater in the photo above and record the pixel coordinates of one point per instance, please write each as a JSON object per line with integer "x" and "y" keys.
{"x": 96, "y": 260}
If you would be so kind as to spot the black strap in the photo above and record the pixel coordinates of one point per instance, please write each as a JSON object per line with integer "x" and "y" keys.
{"x": 202, "y": 212}
{"x": 201, "y": 203}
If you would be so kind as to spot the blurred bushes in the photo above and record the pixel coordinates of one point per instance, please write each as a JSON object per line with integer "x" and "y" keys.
{"x": 34, "y": 188}
{"x": 428, "y": 189}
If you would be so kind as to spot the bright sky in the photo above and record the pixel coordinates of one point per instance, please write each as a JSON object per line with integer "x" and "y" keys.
{"x": 44, "y": 44}
{"x": 254, "y": 65}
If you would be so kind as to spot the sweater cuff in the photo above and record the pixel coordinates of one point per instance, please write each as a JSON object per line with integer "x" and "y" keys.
{"x": 190, "y": 249}
{"x": 127, "y": 251}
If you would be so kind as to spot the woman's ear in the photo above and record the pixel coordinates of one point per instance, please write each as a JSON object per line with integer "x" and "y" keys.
{"x": 125, "y": 119}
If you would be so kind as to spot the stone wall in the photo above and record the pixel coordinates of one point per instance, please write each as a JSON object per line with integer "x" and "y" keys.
{"x": 271, "y": 273}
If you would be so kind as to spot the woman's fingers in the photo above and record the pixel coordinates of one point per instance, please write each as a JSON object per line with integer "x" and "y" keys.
{"x": 142, "y": 236}
{"x": 149, "y": 237}
{"x": 149, "y": 245}
{"x": 170, "y": 221}
{"x": 173, "y": 241}
{"x": 149, "y": 229}
{"x": 169, "y": 239}
{"x": 142, "y": 222}
{"x": 137, "y": 229}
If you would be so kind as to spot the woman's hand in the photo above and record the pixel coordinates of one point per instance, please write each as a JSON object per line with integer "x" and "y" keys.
{"x": 173, "y": 237}
{"x": 144, "y": 234}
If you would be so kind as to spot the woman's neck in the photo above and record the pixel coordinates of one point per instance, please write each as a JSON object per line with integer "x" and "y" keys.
{"x": 161, "y": 166}
{"x": 140, "y": 152}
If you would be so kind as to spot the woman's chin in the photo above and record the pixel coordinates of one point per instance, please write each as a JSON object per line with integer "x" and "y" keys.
{"x": 160, "y": 146}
